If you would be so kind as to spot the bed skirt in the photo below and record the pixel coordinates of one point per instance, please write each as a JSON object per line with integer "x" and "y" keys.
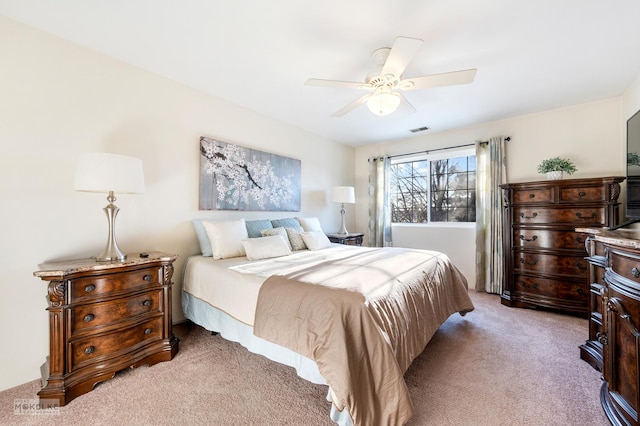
{"x": 212, "y": 319}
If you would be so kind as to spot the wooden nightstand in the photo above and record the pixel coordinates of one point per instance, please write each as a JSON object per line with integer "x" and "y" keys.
{"x": 352, "y": 239}
{"x": 105, "y": 317}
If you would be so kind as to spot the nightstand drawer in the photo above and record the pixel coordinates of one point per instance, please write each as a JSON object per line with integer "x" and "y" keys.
{"x": 88, "y": 317}
{"x": 103, "y": 285}
{"x": 89, "y": 349}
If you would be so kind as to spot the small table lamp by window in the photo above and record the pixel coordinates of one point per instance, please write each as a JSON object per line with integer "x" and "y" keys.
{"x": 343, "y": 194}
{"x": 101, "y": 172}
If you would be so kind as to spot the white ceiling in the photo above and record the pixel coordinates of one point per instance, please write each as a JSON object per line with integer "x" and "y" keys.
{"x": 530, "y": 55}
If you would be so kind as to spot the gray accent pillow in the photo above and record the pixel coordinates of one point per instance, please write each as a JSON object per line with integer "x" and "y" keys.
{"x": 297, "y": 243}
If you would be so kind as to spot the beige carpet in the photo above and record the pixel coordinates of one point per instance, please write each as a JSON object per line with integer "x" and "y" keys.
{"x": 496, "y": 366}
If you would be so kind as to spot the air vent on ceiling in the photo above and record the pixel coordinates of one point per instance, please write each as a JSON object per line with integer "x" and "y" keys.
{"x": 419, "y": 129}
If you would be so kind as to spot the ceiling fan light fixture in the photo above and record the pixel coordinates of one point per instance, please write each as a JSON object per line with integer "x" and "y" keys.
{"x": 383, "y": 103}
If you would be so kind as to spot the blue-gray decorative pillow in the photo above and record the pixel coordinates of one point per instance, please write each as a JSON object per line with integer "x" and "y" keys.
{"x": 254, "y": 227}
{"x": 203, "y": 238}
{"x": 290, "y": 222}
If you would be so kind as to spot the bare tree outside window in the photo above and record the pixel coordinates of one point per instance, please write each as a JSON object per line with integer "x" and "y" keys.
{"x": 434, "y": 191}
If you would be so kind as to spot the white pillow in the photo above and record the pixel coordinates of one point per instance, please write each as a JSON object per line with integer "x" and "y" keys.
{"x": 226, "y": 237}
{"x": 315, "y": 240}
{"x": 310, "y": 224}
{"x": 266, "y": 247}
{"x": 276, "y": 231}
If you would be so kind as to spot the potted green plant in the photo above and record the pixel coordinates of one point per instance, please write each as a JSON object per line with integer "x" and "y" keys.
{"x": 554, "y": 167}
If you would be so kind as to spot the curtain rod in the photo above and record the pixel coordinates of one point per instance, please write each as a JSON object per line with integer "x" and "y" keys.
{"x": 508, "y": 138}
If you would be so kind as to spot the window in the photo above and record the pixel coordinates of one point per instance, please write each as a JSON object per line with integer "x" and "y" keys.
{"x": 434, "y": 188}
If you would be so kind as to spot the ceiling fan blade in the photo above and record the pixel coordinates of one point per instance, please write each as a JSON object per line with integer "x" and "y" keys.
{"x": 438, "y": 80}
{"x": 336, "y": 83}
{"x": 353, "y": 105}
{"x": 403, "y": 50}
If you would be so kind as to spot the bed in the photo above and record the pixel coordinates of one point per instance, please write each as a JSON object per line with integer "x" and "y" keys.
{"x": 352, "y": 318}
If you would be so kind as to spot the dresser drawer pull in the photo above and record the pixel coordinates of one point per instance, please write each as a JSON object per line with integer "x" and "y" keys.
{"x": 528, "y": 217}
{"x": 582, "y": 193}
{"x": 147, "y": 278}
{"x": 535, "y": 237}
{"x": 147, "y": 331}
{"x": 88, "y": 318}
{"x": 147, "y": 302}
{"x": 90, "y": 288}
{"x": 593, "y": 216}
{"x": 635, "y": 272}
{"x": 581, "y": 292}
{"x": 532, "y": 195}
{"x": 524, "y": 262}
{"x": 89, "y": 350}
{"x": 525, "y": 285}
{"x": 580, "y": 240}
{"x": 581, "y": 266}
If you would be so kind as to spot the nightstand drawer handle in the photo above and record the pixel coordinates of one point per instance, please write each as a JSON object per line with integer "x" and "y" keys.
{"x": 532, "y": 195}
{"x": 147, "y": 278}
{"x": 89, "y": 350}
{"x": 90, "y": 288}
{"x": 635, "y": 272}
{"x": 147, "y": 302}
{"x": 89, "y": 317}
{"x": 582, "y": 193}
{"x": 535, "y": 237}
{"x": 147, "y": 331}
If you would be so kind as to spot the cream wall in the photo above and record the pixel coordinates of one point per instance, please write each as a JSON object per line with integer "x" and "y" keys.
{"x": 590, "y": 134}
{"x": 58, "y": 100}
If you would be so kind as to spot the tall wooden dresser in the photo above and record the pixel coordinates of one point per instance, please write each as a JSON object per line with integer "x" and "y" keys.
{"x": 544, "y": 257}
{"x": 105, "y": 317}
{"x": 616, "y": 331}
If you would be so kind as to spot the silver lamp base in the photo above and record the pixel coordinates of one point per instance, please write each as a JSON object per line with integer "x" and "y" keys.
{"x": 343, "y": 230}
{"x": 112, "y": 252}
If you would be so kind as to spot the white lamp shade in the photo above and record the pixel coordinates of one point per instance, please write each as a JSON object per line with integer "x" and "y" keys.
{"x": 343, "y": 194}
{"x": 383, "y": 103}
{"x": 102, "y": 172}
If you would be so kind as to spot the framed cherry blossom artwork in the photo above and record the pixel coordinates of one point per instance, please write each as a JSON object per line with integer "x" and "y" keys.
{"x": 233, "y": 177}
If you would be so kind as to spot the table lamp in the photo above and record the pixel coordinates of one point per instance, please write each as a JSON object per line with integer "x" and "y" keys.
{"x": 111, "y": 173}
{"x": 342, "y": 195}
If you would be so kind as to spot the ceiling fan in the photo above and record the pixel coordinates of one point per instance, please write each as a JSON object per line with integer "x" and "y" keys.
{"x": 386, "y": 83}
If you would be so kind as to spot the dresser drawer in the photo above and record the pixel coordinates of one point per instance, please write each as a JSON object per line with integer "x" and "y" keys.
{"x": 88, "y": 317}
{"x": 580, "y": 216}
{"x": 103, "y": 285}
{"x": 625, "y": 264}
{"x": 534, "y": 195}
{"x": 88, "y": 349}
{"x": 576, "y": 292}
{"x": 585, "y": 194}
{"x": 574, "y": 266}
{"x": 544, "y": 238}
